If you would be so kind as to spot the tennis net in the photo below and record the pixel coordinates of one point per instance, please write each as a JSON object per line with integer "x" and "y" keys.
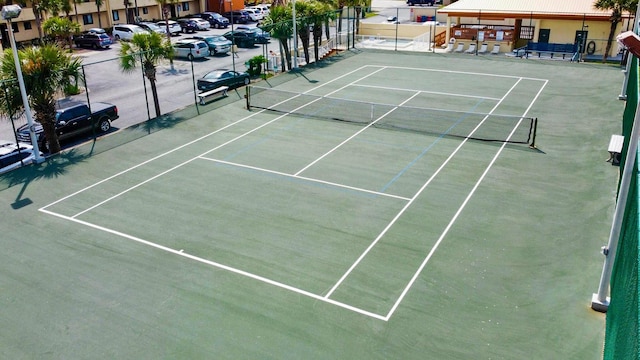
{"x": 477, "y": 126}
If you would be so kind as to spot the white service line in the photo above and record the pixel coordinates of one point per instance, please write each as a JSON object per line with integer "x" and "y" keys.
{"x": 408, "y": 204}
{"x": 308, "y": 179}
{"x": 428, "y": 92}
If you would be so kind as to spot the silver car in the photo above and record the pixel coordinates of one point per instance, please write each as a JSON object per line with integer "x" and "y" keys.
{"x": 174, "y": 27}
{"x": 191, "y": 49}
{"x": 151, "y": 27}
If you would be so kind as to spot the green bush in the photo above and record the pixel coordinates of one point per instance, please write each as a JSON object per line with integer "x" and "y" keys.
{"x": 255, "y": 65}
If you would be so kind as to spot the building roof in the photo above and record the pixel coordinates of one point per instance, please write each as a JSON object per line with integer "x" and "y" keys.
{"x": 539, "y": 8}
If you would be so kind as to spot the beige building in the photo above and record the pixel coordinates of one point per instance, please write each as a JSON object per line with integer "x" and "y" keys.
{"x": 112, "y": 12}
{"x": 544, "y": 21}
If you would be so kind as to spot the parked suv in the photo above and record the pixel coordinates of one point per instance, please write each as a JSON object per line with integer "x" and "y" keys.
{"x": 92, "y": 40}
{"x": 190, "y": 48}
{"x": 237, "y": 17}
{"x": 188, "y": 25}
{"x": 216, "y": 20}
{"x": 126, "y": 31}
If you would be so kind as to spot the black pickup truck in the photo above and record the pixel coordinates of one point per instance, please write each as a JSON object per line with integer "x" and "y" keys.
{"x": 73, "y": 119}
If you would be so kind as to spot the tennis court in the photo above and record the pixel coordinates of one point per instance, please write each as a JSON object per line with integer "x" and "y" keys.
{"x": 384, "y": 206}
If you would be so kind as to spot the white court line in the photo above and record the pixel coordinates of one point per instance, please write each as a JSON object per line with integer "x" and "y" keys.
{"x": 220, "y": 266}
{"x": 462, "y": 72}
{"x": 429, "y": 92}
{"x": 307, "y": 179}
{"x": 408, "y": 204}
{"x": 462, "y": 206}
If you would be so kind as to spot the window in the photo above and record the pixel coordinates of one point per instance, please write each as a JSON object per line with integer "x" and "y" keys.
{"x": 27, "y": 25}
{"x": 115, "y": 15}
{"x": 185, "y": 6}
{"x": 526, "y": 32}
{"x": 87, "y": 19}
{"x": 145, "y": 10}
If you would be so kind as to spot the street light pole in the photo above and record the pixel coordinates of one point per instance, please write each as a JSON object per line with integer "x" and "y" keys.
{"x": 234, "y": 50}
{"x": 295, "y": 38}
{"x": 11, "y": 12}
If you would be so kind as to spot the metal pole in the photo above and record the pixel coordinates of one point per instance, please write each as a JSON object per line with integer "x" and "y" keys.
{"x": 23, "y": 91}
{"x": 295, "y": 37}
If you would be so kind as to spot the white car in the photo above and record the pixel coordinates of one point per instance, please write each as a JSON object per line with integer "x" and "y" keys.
{"x": 264, "y": 9}
{"x": 202, "y": 23}
{"x": 190, "y": 49}
{"x": 126, "y": 31}
{"x": 152, "y": 27}
{"x": 174, "y": 27}
{"x": 13, "y": 156}
{"x": 254, "y": 15}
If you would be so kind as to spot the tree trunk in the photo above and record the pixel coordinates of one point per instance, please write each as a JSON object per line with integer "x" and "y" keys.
{"x": 612, "y": 30}
{"x": 317, "y": 38}
{"x": 150, "y": 73}
{"x": 286, "y": 54}
{"x": 45, "y": 114}
{"x": 304, "y": 39}
{"x": 99, "y": 20}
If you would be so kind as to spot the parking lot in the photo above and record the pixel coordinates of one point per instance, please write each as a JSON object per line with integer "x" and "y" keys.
{"x": 175, "y": 82}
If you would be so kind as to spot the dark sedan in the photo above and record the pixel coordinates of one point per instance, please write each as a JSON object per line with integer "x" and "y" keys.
{"x": 223, "y": 77}
{"x": 260, "y": 36}
{"x": 241, "y": 38}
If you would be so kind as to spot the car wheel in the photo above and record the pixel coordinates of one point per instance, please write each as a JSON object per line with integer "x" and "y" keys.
{"x": 190, "y": 57}
{"x": 94, "y": 46}
{"x": 117, "y": 37}
{"x": 104, "y": 125}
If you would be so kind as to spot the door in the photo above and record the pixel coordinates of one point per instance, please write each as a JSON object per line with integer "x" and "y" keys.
{"x": 581, "y": 39}
{"x": 543, "y": 36}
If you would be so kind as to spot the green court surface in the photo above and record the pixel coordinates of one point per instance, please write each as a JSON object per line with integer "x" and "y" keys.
{"x": 258, "y": 234}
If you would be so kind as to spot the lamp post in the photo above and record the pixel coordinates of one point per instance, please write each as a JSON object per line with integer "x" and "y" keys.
{"x": 295, "y": 37}
{"x": 11, "y": 12}
{"x": 234, "y": 50}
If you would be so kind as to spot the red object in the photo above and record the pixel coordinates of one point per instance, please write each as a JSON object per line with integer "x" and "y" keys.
{"x": 631, "y": 41}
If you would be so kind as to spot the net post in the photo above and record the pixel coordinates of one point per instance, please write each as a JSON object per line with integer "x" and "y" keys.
{"x": 247, "y": 96}
{"x": 533, "y": 135}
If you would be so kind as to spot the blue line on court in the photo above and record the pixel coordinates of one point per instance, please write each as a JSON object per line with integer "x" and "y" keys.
{"x": 425, "y": 150}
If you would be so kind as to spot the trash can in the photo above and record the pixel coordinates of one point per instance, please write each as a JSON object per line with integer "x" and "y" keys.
{"x": 424, "y": 18}
{"x": 418, "y": 18}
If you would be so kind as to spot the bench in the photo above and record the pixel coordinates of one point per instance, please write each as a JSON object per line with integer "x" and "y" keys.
{"x": 615, "y": 149}
{"x": 204, "y": 96}
{"x": 551, "y": 48}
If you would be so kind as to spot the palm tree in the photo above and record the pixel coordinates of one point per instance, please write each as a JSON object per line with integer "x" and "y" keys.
{"x": 40, "y": 7}
{"x": 148, "y": 49}
{"x": 280, "y": 25}
{"x": 304, "y": 21}
{"x": 617, "y": 7}
{"x": 47, "y": 70}
{"x": 61, "y": 29}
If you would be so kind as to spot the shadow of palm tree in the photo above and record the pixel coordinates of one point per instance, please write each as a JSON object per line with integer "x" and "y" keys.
{"x": 52, "y": 167}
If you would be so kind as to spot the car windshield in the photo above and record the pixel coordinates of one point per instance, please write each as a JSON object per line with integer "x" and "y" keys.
{"x": 214, "y": 74}
{"x": 219, "y": 39}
